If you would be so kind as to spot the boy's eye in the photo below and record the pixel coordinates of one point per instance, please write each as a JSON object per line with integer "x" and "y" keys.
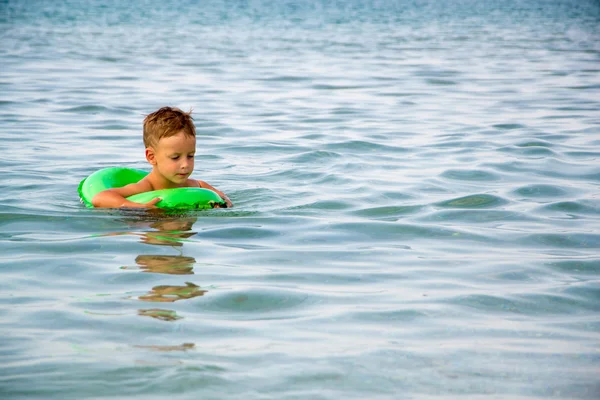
{"x": 191, "y": 156}
{"x": 174, "y": 157}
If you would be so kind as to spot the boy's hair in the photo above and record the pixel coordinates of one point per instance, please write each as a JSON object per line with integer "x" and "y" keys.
{"x": 167, "y": 122}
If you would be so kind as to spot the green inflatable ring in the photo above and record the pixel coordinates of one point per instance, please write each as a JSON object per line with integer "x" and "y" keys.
{"x": 181, "y": 198}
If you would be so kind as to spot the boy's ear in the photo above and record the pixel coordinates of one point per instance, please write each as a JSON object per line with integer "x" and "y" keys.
{"x": 150, "y": 156}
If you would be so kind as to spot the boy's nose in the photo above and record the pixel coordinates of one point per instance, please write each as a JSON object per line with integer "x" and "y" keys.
{"x": 185, "y": 164}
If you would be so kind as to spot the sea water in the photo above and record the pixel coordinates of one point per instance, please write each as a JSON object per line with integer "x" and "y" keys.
{"x": 416, "y": 188}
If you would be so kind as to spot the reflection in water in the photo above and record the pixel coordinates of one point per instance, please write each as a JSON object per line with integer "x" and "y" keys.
{"x": 170, "y": 294}
{"x": 181, "y": 347}
{"x": 174, "y": 265}
{"x": 168, "y": 232}
{"x": 161, "y": 314}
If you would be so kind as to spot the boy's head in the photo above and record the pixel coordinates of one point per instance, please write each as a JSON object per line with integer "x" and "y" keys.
{"x": 167, "y": 122}
{"x": 170, "y": 139}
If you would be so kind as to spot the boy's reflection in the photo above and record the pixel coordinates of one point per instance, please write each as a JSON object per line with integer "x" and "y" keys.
{"x": 169, "y": 232}
{"x": 159, "y": 313}
{"x": 170, "y": 293}
{"x": 173, "y": 265}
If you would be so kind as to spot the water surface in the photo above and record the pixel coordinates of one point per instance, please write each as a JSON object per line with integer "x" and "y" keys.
{"x": 416, "y": 187}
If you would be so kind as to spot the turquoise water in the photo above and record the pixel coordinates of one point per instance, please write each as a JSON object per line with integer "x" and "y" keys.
{"x": 417, "y": 191}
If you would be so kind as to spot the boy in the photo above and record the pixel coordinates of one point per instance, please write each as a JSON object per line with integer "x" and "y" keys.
{"x": 170, "y": 140}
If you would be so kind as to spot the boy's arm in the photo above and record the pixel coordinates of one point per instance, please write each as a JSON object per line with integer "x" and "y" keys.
{"x": 223, "y": 195}
{"x": 116, "y": 198}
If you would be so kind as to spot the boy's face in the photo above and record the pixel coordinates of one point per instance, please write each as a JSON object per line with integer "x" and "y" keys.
{"x": 173, "y": 157}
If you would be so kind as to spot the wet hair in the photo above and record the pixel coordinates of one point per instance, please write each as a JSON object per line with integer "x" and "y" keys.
{"x": 167, "y": 122}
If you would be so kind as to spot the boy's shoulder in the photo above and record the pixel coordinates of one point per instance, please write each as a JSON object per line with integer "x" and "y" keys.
{"x": 194, "y": 183}
{"x": 144, "y": 185}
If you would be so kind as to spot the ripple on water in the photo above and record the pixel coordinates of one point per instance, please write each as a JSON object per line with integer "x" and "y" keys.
{"x": 540, "y": 191}
{"x": 256, "y": 301}
{"x": 572, "y": 207}
{"x": 563, "y": 303}
{"x": 528, "y": 151}
{"x": 476, "y": 216}
{"x": 383, "y": 231}
{"x": 587, "y": 293}
{"x": 520, "y": 167}
{"x": 488, "y": 303}
{"x": 572, "y": 240}
{"x": 313, "y": 156}
{"x": 386, "y": 213}
{"x": 583, "y": 155}
{"x": 361, "y": 146}
{"x": 587, "y": 267}
{"x": 285, "y": 78}
{"x": 240, "y": 232}
{"x": 535, "y": 143}
{"x": 371, "y": 316}
{"x": 94, "y": 109}
{"x": 107, "y": 126}
{"x": 530, "y": 304}
{"x": 473, "y": 201}
{"x": 506, "y": 127}
{"x": 321, "y": 86}
{"x": 470, "y": 175}
{"x": 323, "y": 205}
{"x": 441, "y": 82}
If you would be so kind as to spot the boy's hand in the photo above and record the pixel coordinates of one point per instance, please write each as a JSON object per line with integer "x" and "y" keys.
{"x": 205, "y": 185}
{"x": 227, "y": 203}
{"x": 152, "y": 203}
